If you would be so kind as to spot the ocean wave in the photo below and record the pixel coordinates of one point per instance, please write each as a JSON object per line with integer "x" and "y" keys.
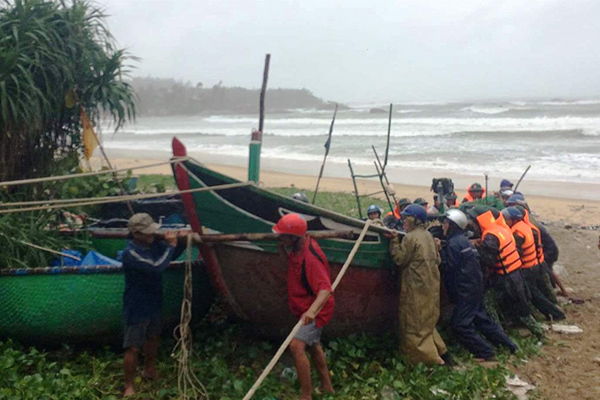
{"x": 409, "y": 111}
{"x": 569, "y": 103}
{"x": 486, "y": 110}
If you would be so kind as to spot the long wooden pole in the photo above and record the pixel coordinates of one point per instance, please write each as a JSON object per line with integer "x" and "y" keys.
{"x": 256, "y": 141}
{"x": 115, "y": 177}
{"x": 382, "y": 167}
{"x": 521, "y": 178}
{"x": 230, "y": 237}
{"x": 327, "y": 146}
{"x": 387, "y": 146}
{"x": 355, "y": 188}
{"x": 298, "y": 325}
{"x": 263, "y": 91}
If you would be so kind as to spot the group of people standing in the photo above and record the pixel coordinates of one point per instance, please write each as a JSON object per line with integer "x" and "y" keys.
{"x": 472, "y": 251}
{"x": 490, "y": 257}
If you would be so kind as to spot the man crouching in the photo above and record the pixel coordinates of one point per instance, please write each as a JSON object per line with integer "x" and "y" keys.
{"x": 144, "y": 261}
{"x": 309, "y": 287}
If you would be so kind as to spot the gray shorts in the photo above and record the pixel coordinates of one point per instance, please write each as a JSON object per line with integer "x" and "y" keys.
{"x": 309, "y": 334}
{"x": 137, "y": 334}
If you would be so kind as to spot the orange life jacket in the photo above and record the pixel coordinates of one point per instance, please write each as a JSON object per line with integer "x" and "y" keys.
{"x": 468, "y": 196}
{"x": 396, "y": 212}
{"x": 529, "y": 256}
{"x": 537, "y": 235}
{"x": 508, "y": 259}
{"x": 501, "y": 221}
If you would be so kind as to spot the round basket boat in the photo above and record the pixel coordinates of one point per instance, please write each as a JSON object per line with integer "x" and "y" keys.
{"x": 84, "y": 304}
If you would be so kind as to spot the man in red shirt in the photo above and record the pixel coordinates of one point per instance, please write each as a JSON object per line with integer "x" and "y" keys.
{"x": 309, "y": 288}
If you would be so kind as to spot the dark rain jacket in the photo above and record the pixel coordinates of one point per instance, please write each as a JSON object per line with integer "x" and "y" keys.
{"x": 463, "y": 276}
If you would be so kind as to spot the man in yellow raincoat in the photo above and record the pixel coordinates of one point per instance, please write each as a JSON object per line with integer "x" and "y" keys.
{"x": 419, "y": 259}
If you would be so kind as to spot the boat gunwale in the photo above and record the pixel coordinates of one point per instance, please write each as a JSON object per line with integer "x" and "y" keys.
{"x": 76, "y": 270}
{"x": 358, "y": 223}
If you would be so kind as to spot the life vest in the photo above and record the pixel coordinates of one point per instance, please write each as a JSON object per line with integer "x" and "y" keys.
{"x": 468, "y": 196}
{"x": 396, "y": 212}
{"x": 501, "y": 221}
{"x": 508, "y": 259}
{"x": 529, "y": 256}
{"x": 456, "y": 205}
{"x": 537, "y": 235}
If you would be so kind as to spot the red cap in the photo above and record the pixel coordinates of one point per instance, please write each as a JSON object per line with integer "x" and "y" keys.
{"x": 291, "y": 224}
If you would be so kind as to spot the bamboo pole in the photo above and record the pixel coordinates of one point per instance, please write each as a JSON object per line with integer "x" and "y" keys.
{"x": 86, "y": 174}
{"x": 521, "y": 178}
{"x": 387, "y": 146}
{"x": 327, "y": 146}
{"x": 230, "y": 237}
{"x": 355, "y": 188}
{"x": 35, "y": 246}
{"x": 298, "y": 325}
{"x": 115, "y": 177}
{"x": 263, "y": 91}
{"x": 117, "y": 199}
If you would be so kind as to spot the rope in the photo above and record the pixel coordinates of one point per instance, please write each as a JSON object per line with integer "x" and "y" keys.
{"x": 117, "y": 199}
{"x": 298, "y": 325}
{"x": 189, "y": 385}
{"x": 84, "y": 174}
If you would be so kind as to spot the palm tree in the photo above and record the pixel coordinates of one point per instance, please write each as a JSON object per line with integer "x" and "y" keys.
{"x": 55, "y": 55}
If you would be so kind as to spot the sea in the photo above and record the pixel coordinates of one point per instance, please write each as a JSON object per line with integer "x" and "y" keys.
{"x": 559, "y": 139}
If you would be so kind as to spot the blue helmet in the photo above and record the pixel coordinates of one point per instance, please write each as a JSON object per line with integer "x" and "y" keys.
{"x": 512, "y": 213}
{"x": 416, "y": 211}
{"x": 506, "y": 184}
{"x": 373, "y": 208}
{"x": 516, "y": 198}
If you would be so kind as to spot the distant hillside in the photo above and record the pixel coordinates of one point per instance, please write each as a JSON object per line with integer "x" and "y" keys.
{"x": 161, "y": 96}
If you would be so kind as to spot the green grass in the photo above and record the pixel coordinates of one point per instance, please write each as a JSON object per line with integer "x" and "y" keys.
{"x": 228, "y": 361}
{"x": 344, "y": 203}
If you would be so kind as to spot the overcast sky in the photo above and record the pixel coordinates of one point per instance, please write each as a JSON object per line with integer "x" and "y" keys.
{"x": 362, "y": 51}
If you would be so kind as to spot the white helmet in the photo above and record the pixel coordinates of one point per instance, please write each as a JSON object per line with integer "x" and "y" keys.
{"x": 458, "y": 217}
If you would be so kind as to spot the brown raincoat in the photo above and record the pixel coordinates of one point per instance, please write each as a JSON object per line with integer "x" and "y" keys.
{"x": 419, "y": 260}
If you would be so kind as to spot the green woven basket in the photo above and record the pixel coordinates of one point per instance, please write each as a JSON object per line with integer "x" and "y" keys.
{"x": 70, "y": 305}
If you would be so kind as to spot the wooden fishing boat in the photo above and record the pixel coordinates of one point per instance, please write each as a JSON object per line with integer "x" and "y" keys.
{"x": 83, "y": 304}
{"x": 251, "y": 276}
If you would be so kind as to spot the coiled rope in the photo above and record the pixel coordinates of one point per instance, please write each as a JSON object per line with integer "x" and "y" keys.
{"x": 189, "y": 385}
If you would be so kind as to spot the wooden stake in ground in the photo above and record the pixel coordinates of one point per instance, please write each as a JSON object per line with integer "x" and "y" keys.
{"x": 327, "y": 146}
{"x": 256, "y": 141}
{"x": 298, "y": 325}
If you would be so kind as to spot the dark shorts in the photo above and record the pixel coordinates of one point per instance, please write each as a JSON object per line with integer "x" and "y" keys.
{"x": 309, "y": 334}
{"x": 137, "y": 334}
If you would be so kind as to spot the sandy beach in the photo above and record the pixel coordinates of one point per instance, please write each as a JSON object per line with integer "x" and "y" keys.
{"x": 566, "y": 211}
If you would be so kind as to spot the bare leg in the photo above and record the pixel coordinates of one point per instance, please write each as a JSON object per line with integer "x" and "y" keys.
{"x": 318, "y": 357}
{"x": 151, "y": 352}
{"x": 130, "y": 363}
{"x": 298, "y": 348}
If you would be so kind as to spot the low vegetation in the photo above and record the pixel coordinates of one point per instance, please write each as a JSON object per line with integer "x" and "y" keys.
{"x": 228, "y": 359}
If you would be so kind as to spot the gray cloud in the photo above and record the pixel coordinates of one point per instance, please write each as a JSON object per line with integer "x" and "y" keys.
{"x": 381, "y": 51}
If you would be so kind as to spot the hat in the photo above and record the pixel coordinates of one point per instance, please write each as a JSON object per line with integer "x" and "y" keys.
{"x": 476, "y": 187}
{"x": 404, "y": 202}
{"x": 505, "y": 183}
{"x": 421, "y": 201}
{"x": 142, "y": 223}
